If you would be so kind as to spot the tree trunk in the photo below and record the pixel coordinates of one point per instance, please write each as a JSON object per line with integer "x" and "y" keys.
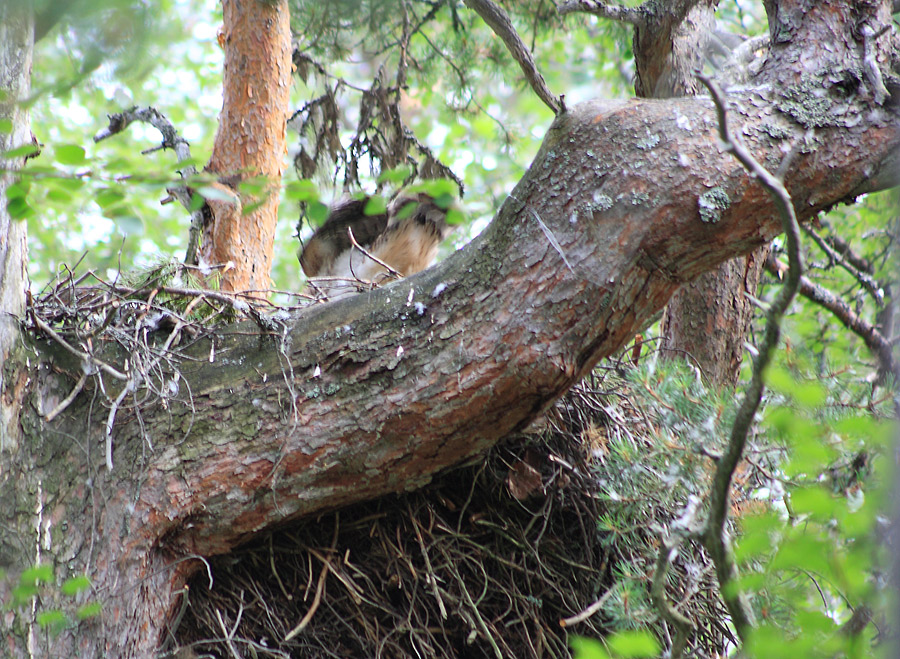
{"x": 250, "y": 143}
{"x": 708, "y": 319}
{"x": 375, "y": 394}
{"x": 21, "y": 501}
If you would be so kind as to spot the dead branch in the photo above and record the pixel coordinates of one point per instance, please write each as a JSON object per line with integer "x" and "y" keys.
{"x": 875, "y": 341}
{"x": 171, "y": 140}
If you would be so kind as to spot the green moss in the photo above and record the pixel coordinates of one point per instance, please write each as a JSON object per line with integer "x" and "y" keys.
{"x": 713, "y": 203}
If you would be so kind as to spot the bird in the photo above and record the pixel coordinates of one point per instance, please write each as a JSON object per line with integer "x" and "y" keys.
{"x": 401, "y": 241}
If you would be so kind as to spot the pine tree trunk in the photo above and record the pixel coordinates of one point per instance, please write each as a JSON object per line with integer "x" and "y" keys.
{"x": 250, "y": 143}
{"x": 707, "y": 321}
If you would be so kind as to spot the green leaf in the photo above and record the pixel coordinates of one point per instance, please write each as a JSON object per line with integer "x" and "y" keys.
{"x": 69, "y": 154}
{"x": 23, "y": 593}
{"x": 396, "y": 175}
{"x": 197, "y": 202}
{"x": 59, "y": 196}
{"x": 809, "y": 394}
{"x": 17, "y": 190}
{"x": 317, "y": 212}
{"x": 63, "y": 183}
{"x": 780, "y": 380}
{"x": 814, "y": 501}
{"x": 636, "y": 643}
{"x": 246, "y": 209}
{"x": 444, "y": 200}
{"x": 406, "y": 211}
{"x": 211, "y": 193}
{"x": 38, "y": 574}
{"x": 108, "y": 197}
{"x": 54, "y": 620}
{"x": 20, "y": 152}
{"x": 302, "y": 190}
{"x": 89, "y": 610}
{"x": 375, "y": 206}
{"x": 455, "y": 217}
{"x": 75, "y": 585}
{"x": 587, "y": 648}
{"x": 6, "y": 126}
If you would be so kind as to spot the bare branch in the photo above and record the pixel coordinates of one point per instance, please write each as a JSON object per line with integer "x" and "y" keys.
{"x": 874, "y": 340}
{"x": 864, "y": 279}
{"x": 498, "y": 20}
{"x": 681, "y": 623}
{"x": 171, "y": 140}
{"x": 714, "y": 536}
{"x": 632, "y": 15}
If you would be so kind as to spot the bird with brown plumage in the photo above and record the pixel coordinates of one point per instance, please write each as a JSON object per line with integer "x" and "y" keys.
{"x": 353, "y": 251}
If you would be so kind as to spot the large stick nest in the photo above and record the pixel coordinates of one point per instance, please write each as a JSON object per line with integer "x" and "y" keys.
{"x": 503, "y": 558}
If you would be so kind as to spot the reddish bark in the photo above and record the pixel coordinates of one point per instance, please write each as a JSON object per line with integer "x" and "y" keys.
{"x": 250, "y": 141}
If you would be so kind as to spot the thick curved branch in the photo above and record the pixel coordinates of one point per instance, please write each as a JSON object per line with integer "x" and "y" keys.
{"x": 498, "y": 20}
{"x": 376, "y": 393}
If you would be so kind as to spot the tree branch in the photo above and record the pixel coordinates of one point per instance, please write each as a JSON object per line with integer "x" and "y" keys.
{"x": 171, "y": 140}
{"x": 874, "y": 340}
{"x": 715, "y": 535}
{"x": 498, "y": 20}
{"x": 633, "y": 15}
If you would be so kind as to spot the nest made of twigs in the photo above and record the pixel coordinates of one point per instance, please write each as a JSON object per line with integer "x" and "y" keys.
{"x": 505, "y": 558}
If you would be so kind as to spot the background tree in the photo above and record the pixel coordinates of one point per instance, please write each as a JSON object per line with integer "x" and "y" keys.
{"x": 234, "y": 434}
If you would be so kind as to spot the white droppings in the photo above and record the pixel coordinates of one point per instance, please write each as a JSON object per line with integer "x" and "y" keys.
{"x": 683, "y": 160}
{"x": 317, "y": 372}
{"x": 409, "y": 298}
{"x": 440, "y": 288}
{"x": 421, "y": 308}
{"x": 683, "y": 122}
{"x": 399, "y": 351}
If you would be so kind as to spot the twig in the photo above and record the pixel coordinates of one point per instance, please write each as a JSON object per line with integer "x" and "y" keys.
{"x": 864, "y": 278}
{"x": 588, "y": 612}
{"x": 714, "y": 534}
{"x": 874, "y": 340}
{"x": 682, "y": 624}
{"x": 498, "y": 20}
{"x": 65, "y": 402}
{"x": 229, "y": 636}
{"x": 103, "y": 366}
{"x": 371, "y": 256}
{"x": 111, "y": 419}
{"x": 430, "y": 578}
{"x": 320, "y": 587}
